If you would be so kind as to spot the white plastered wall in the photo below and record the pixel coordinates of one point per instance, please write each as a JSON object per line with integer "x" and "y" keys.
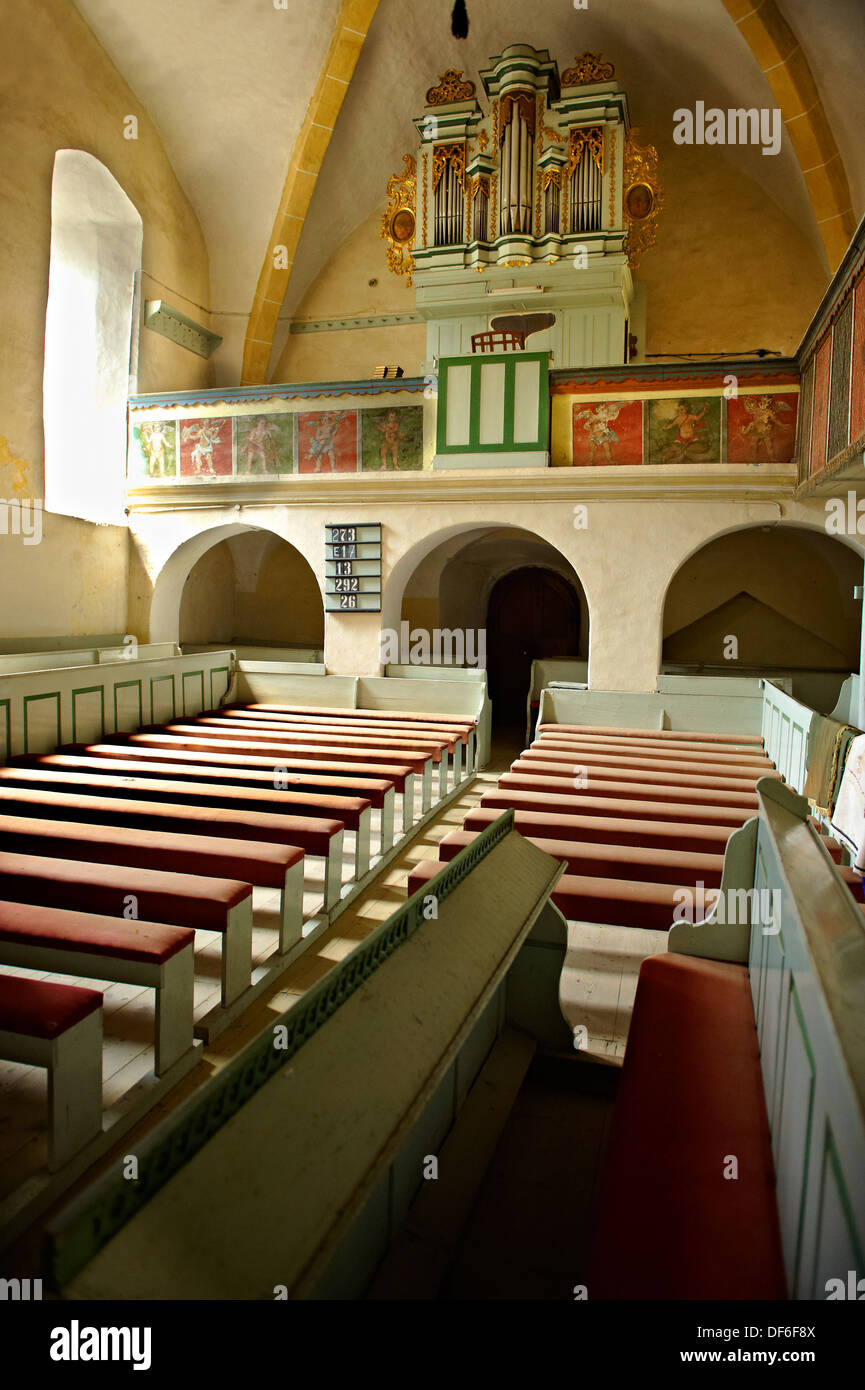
{"x": 625, "y": 558}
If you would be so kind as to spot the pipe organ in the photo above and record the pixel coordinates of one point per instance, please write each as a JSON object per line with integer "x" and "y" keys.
{"x": 524, "y": 198}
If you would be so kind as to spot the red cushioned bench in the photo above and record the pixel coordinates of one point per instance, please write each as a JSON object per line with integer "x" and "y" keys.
{"x": 684, "y": 813}
{"x": 382, "y": 715}
{"x": 322, "y": 776}
{"x": 263, "y": 865}
{"x": 598, "y": 860}
{"x": 319, "y": 838}
{"x": 663, "y": 755}
{"x": 109, "y": 760}
{"x": 662, "y": 735}
{"x": 610, "y": 901}
{"x": 417, "y": 759}
{"x": 668, "y": 1224}
{"x": 95, "y": 947}
{"x": 742, "y": 792}
{"x": 187, "y": 789}
{"x": 703, "y": 838}
{"x": 595, "y": 784}
{"x": 461, "y": 731}
{"x": 437, "y": 750}
{"x": 179, "y": 900}
{"x": 441, "y": 745}
{"x": 739, "y": 775}
{"x": 58, "y": 1027}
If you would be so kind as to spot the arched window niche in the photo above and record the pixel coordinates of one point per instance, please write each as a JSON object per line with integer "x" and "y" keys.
{"x": 96, "y": 236}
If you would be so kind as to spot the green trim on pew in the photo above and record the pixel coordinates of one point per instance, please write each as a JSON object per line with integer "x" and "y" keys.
{"x": 99, "y": 1213}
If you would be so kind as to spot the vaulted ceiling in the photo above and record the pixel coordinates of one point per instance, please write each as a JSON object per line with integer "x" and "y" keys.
{"x": 229, "y": 83}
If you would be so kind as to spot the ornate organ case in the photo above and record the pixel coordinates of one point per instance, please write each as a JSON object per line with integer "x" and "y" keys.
{"x": 519, "y": 207}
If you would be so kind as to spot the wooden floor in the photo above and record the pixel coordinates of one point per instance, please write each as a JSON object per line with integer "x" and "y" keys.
{"x": 597, "y": 991}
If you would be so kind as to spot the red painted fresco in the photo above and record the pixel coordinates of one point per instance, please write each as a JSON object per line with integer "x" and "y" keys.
{"x": 857, "y": 386}
{"x": 327, "y": 442}
{"x": 820, "y": 413}
{"x": 205, "y": 448}
{"x": 607, "y": 432}
{"x": 761, "y": 428}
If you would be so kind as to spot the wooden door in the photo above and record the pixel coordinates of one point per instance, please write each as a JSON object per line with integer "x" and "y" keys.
{"x": 532, "y": 613}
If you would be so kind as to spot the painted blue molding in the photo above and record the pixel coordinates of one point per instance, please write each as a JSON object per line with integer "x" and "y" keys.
{"x": 296, "y": 391}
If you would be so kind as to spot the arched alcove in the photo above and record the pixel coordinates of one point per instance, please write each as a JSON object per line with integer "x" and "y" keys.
{"x": 252, "y": 589}
{"x": 451, "y": 586}
{"x": 96, "y": 236}
{"x": 764, "y": 600}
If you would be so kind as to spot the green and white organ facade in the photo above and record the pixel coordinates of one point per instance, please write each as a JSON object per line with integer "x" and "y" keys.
{"x": 531, "y": 206}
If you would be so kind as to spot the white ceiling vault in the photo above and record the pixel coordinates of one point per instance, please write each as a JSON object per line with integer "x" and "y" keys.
{"x": 227, "y": 83}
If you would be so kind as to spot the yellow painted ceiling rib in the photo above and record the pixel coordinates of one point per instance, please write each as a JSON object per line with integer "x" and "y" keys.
{"x": 776, "y": 49}
{"x": 352, "y": 24}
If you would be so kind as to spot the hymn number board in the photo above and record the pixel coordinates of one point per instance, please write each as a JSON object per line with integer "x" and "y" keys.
{"x": 353, "y": 568}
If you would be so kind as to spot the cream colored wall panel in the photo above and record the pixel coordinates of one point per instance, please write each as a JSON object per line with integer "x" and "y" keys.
{"x": 162, "y": 699}
{"x": 88, "y": 715}
{"x": 42, "y": 726}
{"x": 492, "y": 402}
{"x": 527, "y": 377}
{"x": 459, "y": 404}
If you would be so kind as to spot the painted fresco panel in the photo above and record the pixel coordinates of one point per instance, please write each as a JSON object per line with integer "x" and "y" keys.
{"x": 857, "y": 391}
{"x": 761, "y": 428}
{"x": 264, "y": 444}
{"x": 327, "y": 441}
{"x": 392, "y": 439}
{"x": 607, "y": 432}
{"x": 684, "y": 430}
{"x": 820, "y": 412}
{"x": 206, "y": 448}
{"x": 154, "y": 451}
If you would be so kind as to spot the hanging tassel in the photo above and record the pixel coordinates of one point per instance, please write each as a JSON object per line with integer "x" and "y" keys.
{"x": 460, "y": 20}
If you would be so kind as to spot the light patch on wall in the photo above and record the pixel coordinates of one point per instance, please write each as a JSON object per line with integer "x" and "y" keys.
{"x": 18, "y": 466}
{"x": 96, "y": 237}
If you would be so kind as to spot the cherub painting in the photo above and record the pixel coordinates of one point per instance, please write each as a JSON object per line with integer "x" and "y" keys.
{"x": 265, "y": 444}
{"x": 596, "y": 443}
{"x": 327, "y": 442}
{"x": 157, "y": 443}
{"x": 761, "y": 428}
{"x": 685, "y": 430}
{"x": 392, "y": 439}
{"x": 205, "y": 448}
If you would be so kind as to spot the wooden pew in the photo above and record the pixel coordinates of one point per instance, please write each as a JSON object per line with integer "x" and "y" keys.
{"x": 380, "y": 716}
{"x": 113, "y": 759}
{"x": 438, "y": 750}
{"x": 418, "y": 760}
{"x": 599, "y": 860}
{"x": 264, "y": 865}
{"x": 690, "y": 1093}
{"x": 262, "y": 791}
{"x": 322, "y": 776}
{"x": 93, "y": 946}
{"x": 353, "y": 812}
{"x": 58, "y": 1027}
{"x": 319, "y": 838}
{"x": 597, "y": 785}
{"x": 662, "y": 735}
{"x": 610, "y": 901}
{"x": 612, "y": 829}
{"x": 738, "y": 773}
{"x": 179, "y": 900}
{"x": 393, "y": 730}
{"x": 685, "y": 814}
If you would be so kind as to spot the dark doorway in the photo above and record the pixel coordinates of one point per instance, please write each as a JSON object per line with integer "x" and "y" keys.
{"x": 532, "y": 613}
